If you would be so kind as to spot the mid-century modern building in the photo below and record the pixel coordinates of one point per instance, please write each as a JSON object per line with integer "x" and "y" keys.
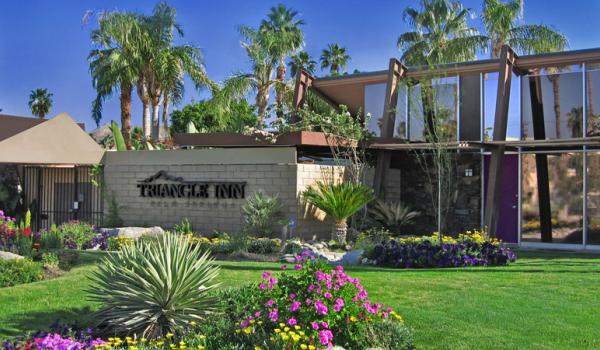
{"x": 524, "y": 130}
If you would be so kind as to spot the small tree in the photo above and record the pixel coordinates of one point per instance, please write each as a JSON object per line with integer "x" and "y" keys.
{"x": 340, "y": 201}
{"x": 40, "y": 102}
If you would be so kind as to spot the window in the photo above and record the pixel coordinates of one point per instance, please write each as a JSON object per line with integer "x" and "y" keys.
{"x": 490, "y": 94}
{"x": 445, "y": 97}
{"x": 401, "y": 109}
{"x": 592, "y": 76}
{"x": 374, "y": 104}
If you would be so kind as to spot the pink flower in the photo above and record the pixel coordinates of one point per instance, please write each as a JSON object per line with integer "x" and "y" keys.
{"x": 266, "y": 275}
{"x": 339, "y": 304}
{"x": 327, "y": 295}
{"x": 292, "y": 296}
{"x": 308, "y": 301}
{"x": 295, "y": 306}
{"x": 270, "y": 302}
{"x": 321, "y": 308}
{"x": 315, "y": 325}
{"x": 283, "y": 267}
{"x": 298, "y": 267}
{"x": 292, "y": 322}
{"x": 262, "y": 286}
{"x": 274, "y": 315}
{"x": 325, "y": 337}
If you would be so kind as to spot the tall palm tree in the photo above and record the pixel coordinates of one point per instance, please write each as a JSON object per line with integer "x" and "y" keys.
{"x": 281, "y": 36}
{"x": 440, "y": 34}
{"x": 115, "y": 64}
{"x": 335, "y": 58}
{"x": 500, "y": 21}
{"x": 260, "y": 79}
{"x": 40, "y": 102}
{"x": 302, "y": 60}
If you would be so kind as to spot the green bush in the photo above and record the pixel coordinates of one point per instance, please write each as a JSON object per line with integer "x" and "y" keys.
{"x": 263, "y": 215}
{"x": 67, "y": 258}
{"x": 75, "y": 234}
{"x": 51, "y": 239}
{"x": 292, "y": 247}
{"x": 185, "y": 228}
{"x": 386, "y": 335}
{"x": 154, "y": 286}
{"x": 50, "y": 259}
{"x": 264, "y": 246}
{"x": 19, "y": 271}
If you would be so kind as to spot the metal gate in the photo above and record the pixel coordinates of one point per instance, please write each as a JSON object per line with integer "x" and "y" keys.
{"x": 55, "y": 195}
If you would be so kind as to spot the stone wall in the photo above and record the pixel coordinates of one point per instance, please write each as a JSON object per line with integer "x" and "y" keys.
{"x": 281, "y": 176}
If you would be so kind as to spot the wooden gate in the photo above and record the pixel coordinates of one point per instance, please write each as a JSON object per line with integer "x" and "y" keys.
{"x": 55, "y": 195}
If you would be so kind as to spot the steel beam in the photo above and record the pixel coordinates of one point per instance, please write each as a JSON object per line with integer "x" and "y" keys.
{"x": 496, "y": 168}
{"x": 303, "y": 82}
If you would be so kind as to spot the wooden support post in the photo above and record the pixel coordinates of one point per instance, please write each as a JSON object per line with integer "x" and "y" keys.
{"x": 541, "y": 160}
{"x": 494, "y": 188}
{"x": 395, "y": 72}
{"x": 303, "y": 82}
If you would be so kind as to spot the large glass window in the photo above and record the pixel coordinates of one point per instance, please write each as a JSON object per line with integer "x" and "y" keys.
{"x": 401, "y": 109}
{"x": 444, "y": 95}
{"x": 490, "y": 94}
{"x": 562, "y": 100}
{"x": 593, "y": 99}
{"x": 593, "y": 198}
{"x": 374, "y": 105}
{"x": 565, "y": 175}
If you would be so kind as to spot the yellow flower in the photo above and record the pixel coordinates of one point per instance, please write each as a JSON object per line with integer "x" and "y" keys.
{"x": 248, "y": 330}
{"x": 143, "y": 340}
{"x": 311, "y": 347}
{"x": 201, "y": 347}
{"x": 256, "y": 347}
{"x": 193, "y": 323}
{"x": 260, "y": 323}
{"x": 287, "y": 329}
{"x": 297, "y": 327}
{"x": 303, "y": 346}
{"x": 238, "y": 331}
{"x": 172, "y": 346}
{"x": 353, "y": 318}
{"x": 201, "y": 337}
{"x": 169, "y": 335}
{"x": 277, "y": 330}
{"x": 281, "y": 325}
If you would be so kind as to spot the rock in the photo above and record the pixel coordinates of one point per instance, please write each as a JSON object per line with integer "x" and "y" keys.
{"x": 133, "y": 232}
{"x": 352, "y": 257}
{"x": 9, "y": 256}
{"x": 288, "y": 258}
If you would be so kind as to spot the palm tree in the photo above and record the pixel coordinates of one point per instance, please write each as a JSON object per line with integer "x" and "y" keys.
{"x": 260, "y": 79}
{"x": 440, "y": 34}
{"x": 334, "y": 57}
{"x": 281, "y": 35}
{"x": 40, "y": 102}
{"x": 340, "y": 201}
{"x": 115, "y": 64}
{"x": 302, "y": 60}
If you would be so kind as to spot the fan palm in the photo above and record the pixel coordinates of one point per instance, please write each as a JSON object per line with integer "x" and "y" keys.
{"x": 281, "y": 35}
{"x": 115, "y": 64}
{"x": 335, "y": 58}
{"x": 340, "y": 201}
{"x": 440, "y": 34}
{"x": 40, "y": 102}
{"x": 302, "y": 60}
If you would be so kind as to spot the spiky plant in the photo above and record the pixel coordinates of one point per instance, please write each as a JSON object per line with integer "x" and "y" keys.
{"x": 154, "y": 286}
{"x": 392, "y": 215}
{"x": 262, "y": 214}
{"x": 340, "y": 201}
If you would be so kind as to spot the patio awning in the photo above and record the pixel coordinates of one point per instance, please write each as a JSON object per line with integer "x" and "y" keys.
{"x": 58, "y": 141}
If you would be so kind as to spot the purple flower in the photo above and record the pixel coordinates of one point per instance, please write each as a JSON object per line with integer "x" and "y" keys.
{"x": 320, "y": 308}
{"x": 266, "y": 275}
{"x": 270, "y": 302}
{"x": 315, "y": 325}
{"x": 298, "y": 267}
{"x": 274, "y": 315}
{"x": 292, "y": 322}
{"x": 295, "y": 306}
{"x": 339, "y": 304}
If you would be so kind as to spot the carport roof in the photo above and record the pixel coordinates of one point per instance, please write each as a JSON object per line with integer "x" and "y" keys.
{"x": 57, "y": 141}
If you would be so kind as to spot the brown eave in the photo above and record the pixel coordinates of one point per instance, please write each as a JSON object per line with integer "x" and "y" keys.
{"x": 228, "y": 139}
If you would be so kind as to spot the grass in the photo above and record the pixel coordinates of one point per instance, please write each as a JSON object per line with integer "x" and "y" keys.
{"x": 544, "y": 301}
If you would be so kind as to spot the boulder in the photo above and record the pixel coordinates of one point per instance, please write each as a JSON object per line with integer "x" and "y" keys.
{"x": 9, "y": 256}
{"x": 288, "y": 258}
{"x": 352, "y": 257}
{"x": 133, "y": 232}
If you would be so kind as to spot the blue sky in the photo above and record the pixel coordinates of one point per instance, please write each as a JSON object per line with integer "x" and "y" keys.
{"x": 45, "y": 44}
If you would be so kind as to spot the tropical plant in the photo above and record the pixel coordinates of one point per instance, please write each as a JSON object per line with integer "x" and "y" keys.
{"x": 115, "y": 64}
{"x": 340, "y": 201}
{"x": 210, "y": 116}
{"x": 281, "y": 35}
{"x": 184, "y": 228}
{"x": 40, "y": 102}
{"x": 113, "y": 218}
{"x": 302, "y": 60}
{"x": 440, "y": 34}
{"x": 500, "y": 21}
{"x": 392, "y": 215}
{"x": 262, "y": 214}
{"x": 117, "y": 137}
{"x": 154, "y": 286}
{"x": 335, "y": 58}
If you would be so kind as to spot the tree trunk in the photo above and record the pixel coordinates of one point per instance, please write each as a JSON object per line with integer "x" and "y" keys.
{"x": 555, "y": 79}
{"x": 591, "y": 117}
{"x": 126, "y": 114}
{"x": 262, "y": 98}
{"x": 164, "y": 133}
{"x": 142, "y": 91}
{"x": 155, "y": 117}
{"x": 340, "y": 229}
{"x": 280, "y": 89}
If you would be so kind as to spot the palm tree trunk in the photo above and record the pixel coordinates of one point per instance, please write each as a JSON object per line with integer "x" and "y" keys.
{"x": 126, "y": 114}
{"x": 155, "y": 117}
{"x": 589, "y": 129}
{"x": 556, "y": 93}
{"x": 164, "y": 134}
{"x": 262, "y": 98}
{"x": 340, "y": 229}
{"x": 280, "y": 89}
{"x": 142, "y": 91}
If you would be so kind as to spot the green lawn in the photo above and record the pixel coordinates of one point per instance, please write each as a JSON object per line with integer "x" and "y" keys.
{"x": 544, "y": 301}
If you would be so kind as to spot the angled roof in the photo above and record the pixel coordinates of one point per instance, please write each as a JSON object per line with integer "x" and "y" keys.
{"x": 11, "y": 125}
{"x": 57, "y": 141}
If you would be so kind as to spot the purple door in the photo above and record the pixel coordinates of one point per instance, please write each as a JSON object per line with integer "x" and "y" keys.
{"x": 508, "y": 221}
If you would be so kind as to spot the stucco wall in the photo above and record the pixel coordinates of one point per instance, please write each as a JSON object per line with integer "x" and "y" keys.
{"x": 272, "y": 170}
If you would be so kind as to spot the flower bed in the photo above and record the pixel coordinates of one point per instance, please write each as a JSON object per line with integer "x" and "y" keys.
{"x": 468, "y": 249}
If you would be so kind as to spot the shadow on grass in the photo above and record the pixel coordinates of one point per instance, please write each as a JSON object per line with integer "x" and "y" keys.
{"x": 41, "y": 321}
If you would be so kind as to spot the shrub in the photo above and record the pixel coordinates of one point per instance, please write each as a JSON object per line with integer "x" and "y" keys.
{"x": 76, "y": 234}
{"x": 51, "y": 239}
{"x": 264, "y": 246}
{"x": 263, "y": 214}
{"x": 392, "y": 215}
{"x": 315, "y": 307}
{"x": 50, "y": 259}
{"x": 185, "y": 228}
{"x": 340, "y": 201}
{"x": 19, "y": 271}
{"x": 152, "y": 286}
{"x": 116, "y": 242}
{"x": 468, "y": 249}
{"x": 67, "y": 258}
{"x": 113, "y": 218}
{"x": 292, "y": 247}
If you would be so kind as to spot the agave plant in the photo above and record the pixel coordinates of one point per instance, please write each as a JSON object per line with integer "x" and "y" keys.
{"x": 340, "y": 201}
{"x": 392, "y": 215}
{"x": 151, "y": 287}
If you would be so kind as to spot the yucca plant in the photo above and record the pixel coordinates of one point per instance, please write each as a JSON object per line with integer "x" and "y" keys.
{"x": 340, "y": 201}
{"x": 154, "y": 286}
{"x": 392, "y": 215}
